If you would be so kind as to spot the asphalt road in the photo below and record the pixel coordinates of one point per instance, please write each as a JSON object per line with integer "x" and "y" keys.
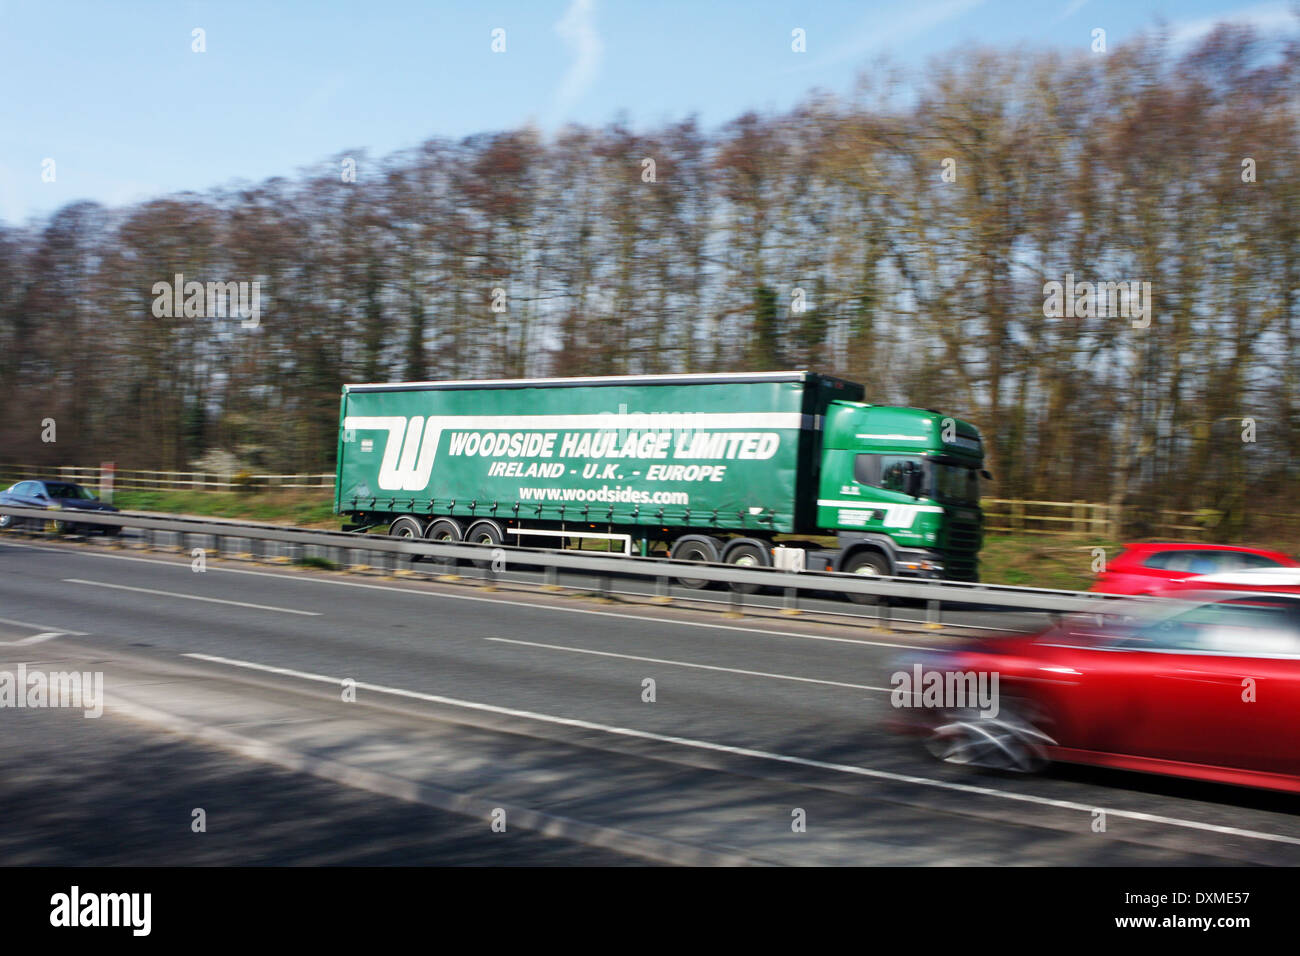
{"x": 351, "y": 700}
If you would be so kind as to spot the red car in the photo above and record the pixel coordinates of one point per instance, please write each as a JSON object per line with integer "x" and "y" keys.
{"x": 1151, "y": 567}
{"x": 1208, "y": 688}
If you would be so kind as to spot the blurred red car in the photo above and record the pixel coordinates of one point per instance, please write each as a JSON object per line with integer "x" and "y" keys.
{"x": 1208, "y": 688}
{"x": 1150, "y": 567}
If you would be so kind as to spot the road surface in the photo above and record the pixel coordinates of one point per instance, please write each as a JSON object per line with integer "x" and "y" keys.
{"x": 323, "y": 717}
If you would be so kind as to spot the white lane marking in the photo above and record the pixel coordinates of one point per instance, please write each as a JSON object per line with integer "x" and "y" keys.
{"x": 34, "y": 639}
{"x": 39, "y": 627}
{"x": 1088, "y": 808}
{"x": 705, "y": 667}
{"x": 468, "y": 804}
{"x": 513, "y": 603}
{"x": 191, "y": 597}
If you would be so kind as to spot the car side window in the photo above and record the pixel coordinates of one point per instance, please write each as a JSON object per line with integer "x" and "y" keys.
{"x": 1159, "y": 560}
{"x": 1208, "y": 562}
{"x": 1246, "y": 560}
{"x": 26, "y": 488}
{"x": 1192, "y": 562}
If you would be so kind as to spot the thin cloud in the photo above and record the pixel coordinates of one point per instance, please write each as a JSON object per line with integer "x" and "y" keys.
{"x": 1073, "y": 7}
{"x": 577, "y": 28}
{"x": 888, "y": 28}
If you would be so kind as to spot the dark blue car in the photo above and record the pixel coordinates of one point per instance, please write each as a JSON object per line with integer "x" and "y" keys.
{"x": 55, "y": 496}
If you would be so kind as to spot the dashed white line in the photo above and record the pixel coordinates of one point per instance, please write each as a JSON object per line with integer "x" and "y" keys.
{"x": 513, "y": 603}
{"x": 191, "y": 597}
{"x": 40, "y": 627}
{"x": 1087, "y": 808}
{"x": 45, "y": 633}
{"x": 705, "y": 667}
{"x": 34, "y": 639}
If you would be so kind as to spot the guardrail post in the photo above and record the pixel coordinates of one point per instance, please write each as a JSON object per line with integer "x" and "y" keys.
{"x": 933, "y": 615}
{"x": 490, "y": 575}
{"x": 661, "y": 595}
{"x": 790, "y": 602}
{"x": 735, "y": 603}
{"x": 883, "y": 623}
{"x": 552, "y": 576}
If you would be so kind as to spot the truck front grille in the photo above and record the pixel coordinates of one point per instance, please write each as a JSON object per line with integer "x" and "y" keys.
{"x": 961, "y": 547}
{"x": 963, "y": 536}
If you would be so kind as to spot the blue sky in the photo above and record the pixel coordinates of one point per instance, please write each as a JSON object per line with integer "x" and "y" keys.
{"x": 114, "y": 94}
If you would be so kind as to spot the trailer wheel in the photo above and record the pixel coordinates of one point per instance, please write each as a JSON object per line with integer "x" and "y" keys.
{"x": 696, "y": 548}
{"x": 747, "y": 553}
{"x": 870, "y": 563}
{"x": 485, "y": 532}
{"x": 446, "y": 530}
{"x": 406, "y": 527}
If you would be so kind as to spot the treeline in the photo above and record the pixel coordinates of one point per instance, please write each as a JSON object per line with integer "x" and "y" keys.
{"x": 900, "y": 237}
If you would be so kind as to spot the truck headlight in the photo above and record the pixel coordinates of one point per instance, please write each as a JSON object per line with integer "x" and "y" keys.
{"x": 925, "y": 564}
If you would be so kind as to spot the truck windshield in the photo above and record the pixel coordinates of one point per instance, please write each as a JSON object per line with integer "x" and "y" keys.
{"x": 956, "y": 484}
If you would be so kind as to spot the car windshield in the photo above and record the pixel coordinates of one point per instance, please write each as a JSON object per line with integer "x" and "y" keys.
{"x": 1254, "y": 626}
{"x": 1111, "y": 622}
{"x": 57, "y": 489}
{"x": 1264, "y": 626}
{"x": 955, "y": 484}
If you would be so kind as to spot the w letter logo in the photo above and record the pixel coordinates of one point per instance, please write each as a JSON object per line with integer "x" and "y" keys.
{"x": 408, "y": 460}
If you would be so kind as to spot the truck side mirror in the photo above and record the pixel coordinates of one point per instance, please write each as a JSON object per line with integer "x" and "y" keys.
{"x": 912, "y": 479}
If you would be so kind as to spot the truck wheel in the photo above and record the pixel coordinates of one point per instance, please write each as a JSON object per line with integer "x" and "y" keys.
{"x": 867, "y": 563}
{"x": 747, "y": 553}
{"x": 446, "y": 530}
{"x": 696, "y": 548}
{"x": 406, "y": 527}
{"x": 485, "y": 532}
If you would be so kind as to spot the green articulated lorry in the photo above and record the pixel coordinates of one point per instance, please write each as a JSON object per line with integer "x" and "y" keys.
{"x": 732, "y": 468}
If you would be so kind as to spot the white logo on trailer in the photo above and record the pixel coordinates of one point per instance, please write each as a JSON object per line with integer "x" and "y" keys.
{"x": 410, "y": 449}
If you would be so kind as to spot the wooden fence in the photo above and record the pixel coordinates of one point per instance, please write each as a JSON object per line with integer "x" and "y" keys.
{"x": 135, "y": 480}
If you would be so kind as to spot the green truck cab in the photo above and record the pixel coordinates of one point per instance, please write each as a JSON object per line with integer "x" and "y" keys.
{"x": 900, "y": 487}
{"x": 736, "y": 468}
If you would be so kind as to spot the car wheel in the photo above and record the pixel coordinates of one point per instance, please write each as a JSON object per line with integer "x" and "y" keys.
{"x": 1009, "y": 741}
